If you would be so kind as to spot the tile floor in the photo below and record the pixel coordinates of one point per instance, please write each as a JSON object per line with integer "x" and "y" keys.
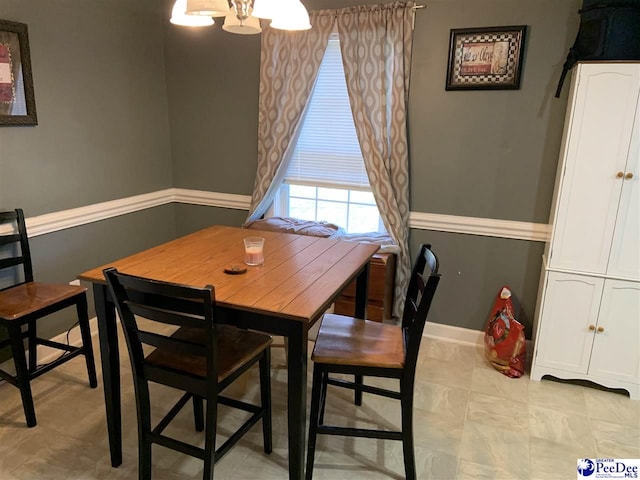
{"x": 471, "y": 423}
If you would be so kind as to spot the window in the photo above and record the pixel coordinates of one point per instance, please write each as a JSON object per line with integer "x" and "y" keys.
{"x": 326, "y": 178}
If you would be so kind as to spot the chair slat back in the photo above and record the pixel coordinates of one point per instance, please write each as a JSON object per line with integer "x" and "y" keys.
{"x": 15, "y": 250}
{"x": 162, "y": 315}
{"x": 7, "y": 239}
{"x": 422, "y": 287}
{"x": 161, "y": 304}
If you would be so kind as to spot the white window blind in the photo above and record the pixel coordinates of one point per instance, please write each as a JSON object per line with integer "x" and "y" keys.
{"x": 327, "y": 152}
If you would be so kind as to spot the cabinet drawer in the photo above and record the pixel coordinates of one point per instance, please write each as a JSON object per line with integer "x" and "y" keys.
{"x": 375, "y": 310}
{"x": 382, "y": 270}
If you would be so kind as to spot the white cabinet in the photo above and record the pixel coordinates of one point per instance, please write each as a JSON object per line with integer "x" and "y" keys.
{"x": 595, "y": 330}
{"x": 624, "y": 260}
{"x": 571, "y": 307}
{"x": 615, "y": 349}
{"x": 588, "y": 324}
{"x": 598, "y": 157}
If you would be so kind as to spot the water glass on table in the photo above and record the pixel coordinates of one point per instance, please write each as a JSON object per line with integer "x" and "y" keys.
{"x": 254, "y": 251}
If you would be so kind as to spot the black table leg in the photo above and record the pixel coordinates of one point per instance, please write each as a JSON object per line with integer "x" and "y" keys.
{"x": 110, "y": 359}
{"x": 297, "y": 398}
{"x": 296, "y": 334}
{"x": 362, "y": 286}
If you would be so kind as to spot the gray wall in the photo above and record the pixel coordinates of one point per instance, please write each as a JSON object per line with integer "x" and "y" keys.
{"x": 212, "y": 85}
{"x": 103, "y": 131}
{"x": 113, "y": 79}
{"x": 190, "y": 218}
{"x": 489, "y": 154}
{"x": 474, "y": 269}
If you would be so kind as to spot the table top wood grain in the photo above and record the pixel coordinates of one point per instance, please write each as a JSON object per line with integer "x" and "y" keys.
{"x": 300, "y": 277}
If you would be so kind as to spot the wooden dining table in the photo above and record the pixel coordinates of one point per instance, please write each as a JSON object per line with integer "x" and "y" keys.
{"x": 300, "y": 278}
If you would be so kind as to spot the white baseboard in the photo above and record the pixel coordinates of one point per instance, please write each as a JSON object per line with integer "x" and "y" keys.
{"x": 449, "y": 333}
{"x": 463, "y": 336}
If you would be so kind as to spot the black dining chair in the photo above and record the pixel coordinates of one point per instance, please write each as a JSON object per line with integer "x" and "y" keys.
{"x": 199, "y": 357}
{"x": 24, "y": 303}
{"x": 364, "y": 348}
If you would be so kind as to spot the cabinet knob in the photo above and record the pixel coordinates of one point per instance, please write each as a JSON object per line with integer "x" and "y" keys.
{"x": 619, "y": 174}
{"x": 592, "y": 328}
{"x": 600, "y": 329}
{"x": 629, "y": 176}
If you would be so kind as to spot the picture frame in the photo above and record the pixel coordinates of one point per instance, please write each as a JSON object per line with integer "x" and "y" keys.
{"x": 17, "y": 99}
{"x": 485, "y": 58}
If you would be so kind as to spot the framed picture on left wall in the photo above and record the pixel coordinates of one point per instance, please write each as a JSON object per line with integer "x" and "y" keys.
{"x": 17, "y": 100}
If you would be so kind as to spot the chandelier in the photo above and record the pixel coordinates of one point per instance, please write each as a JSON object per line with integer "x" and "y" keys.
{"x": 241, "y": 16}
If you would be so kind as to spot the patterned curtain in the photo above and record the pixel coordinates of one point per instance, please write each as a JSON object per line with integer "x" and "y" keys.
{"x": 289, "y": 63}
{"x": 376, "y": 42}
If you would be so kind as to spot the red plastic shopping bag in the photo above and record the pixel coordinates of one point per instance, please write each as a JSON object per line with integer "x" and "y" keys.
{"x": 504, "y": 342}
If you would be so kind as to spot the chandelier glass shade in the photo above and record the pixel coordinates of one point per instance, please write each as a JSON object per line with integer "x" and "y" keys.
{"x": 207, "y": 8}
{"x": 247, "y": 26}
{"x": 265, "y": 9}
{"x": 291, "y": 15}
{"x": 242, "y": 16}
{"x": 179, "y": 16}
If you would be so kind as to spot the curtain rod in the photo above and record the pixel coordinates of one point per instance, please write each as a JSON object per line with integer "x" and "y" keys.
{"x": 414, "y": 8}
{"x": 419, "y": 6}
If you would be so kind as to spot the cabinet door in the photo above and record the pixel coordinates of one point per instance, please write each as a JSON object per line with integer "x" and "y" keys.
{"x": 570, "y": 306}
{"x": 616, "y": 347}
{"x": 597, "y": 144}
{"x": 624, "y": 260}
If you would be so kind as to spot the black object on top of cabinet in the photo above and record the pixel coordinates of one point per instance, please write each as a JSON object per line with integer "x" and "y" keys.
{"x": 609, "y": 30}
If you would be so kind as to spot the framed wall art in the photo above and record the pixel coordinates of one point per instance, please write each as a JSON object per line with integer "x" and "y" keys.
{"x": 17, "y": 100}
{"x": 487, "y": 58}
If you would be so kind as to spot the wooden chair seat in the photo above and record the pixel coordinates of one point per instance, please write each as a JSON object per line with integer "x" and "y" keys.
{"x": 234, "y": 349}
{"x": 351, "y": 341}
{"x": 27, "y": 298}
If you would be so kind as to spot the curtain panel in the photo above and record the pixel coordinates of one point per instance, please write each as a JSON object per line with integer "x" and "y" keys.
{"x": 376, "y": 42}
{"x": 289, "y": 64}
